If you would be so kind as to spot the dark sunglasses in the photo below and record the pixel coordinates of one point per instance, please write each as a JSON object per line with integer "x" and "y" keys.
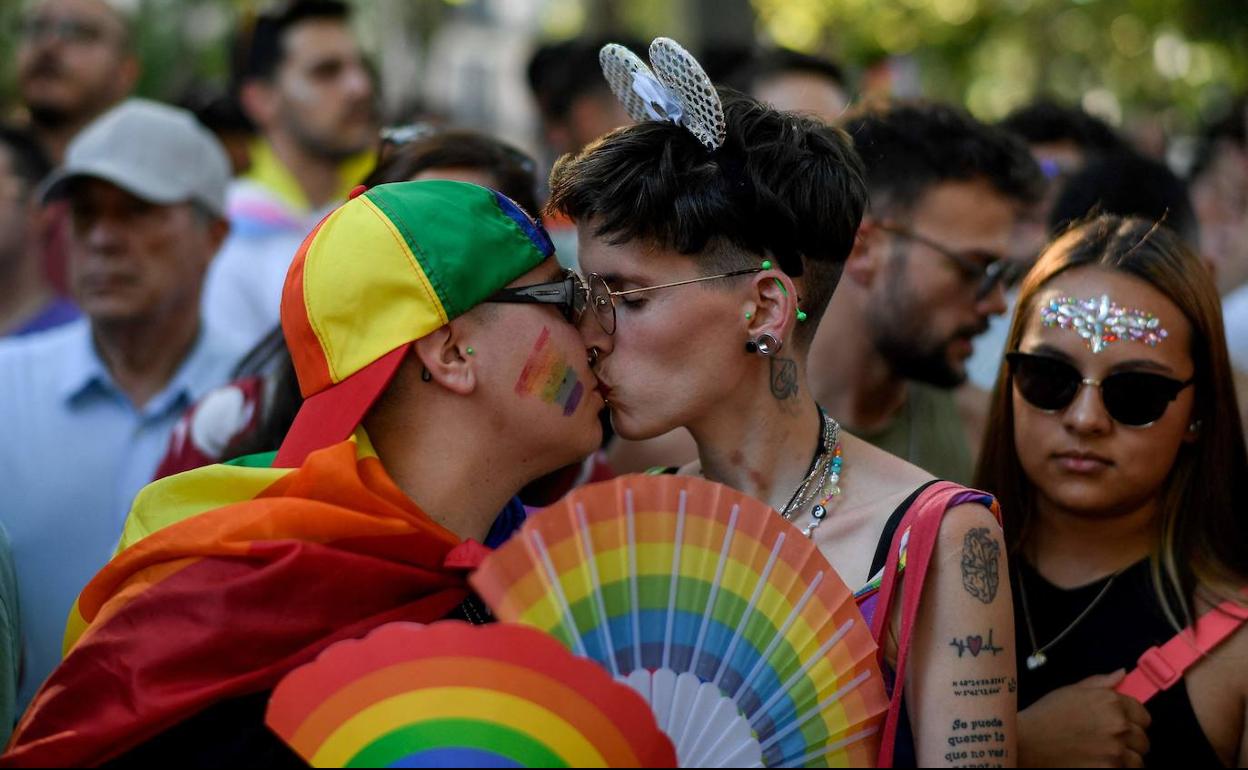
{"x": 568, "y": 294}
{"x": 1135, "y": 399}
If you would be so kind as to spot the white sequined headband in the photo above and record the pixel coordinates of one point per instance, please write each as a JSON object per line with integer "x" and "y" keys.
{"x": 677, "y": 89}
{"x": 1101, "y": 322}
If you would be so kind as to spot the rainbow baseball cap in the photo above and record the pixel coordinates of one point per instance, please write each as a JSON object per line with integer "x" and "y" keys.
{"x": 388, "y": 267}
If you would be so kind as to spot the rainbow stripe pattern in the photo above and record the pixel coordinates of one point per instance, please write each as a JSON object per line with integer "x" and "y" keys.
{"x": 546, "y": 375}
{"x": 455, "y": 695}
{"x": 655, "y": 577}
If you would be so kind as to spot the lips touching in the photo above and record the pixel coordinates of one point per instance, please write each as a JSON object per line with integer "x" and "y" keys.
{"x": 548, "y": 377}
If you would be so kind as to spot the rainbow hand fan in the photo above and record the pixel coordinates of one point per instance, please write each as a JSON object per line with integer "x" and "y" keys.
{"x": 455, "y": 695}
{"x": 736, "y": 630}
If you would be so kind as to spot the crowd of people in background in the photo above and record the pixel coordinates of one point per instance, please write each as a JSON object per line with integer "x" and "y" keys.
{"x": 902, "y": 286}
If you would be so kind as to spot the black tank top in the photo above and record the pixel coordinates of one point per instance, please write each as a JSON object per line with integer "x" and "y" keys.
{"x": 1127, "y": 621}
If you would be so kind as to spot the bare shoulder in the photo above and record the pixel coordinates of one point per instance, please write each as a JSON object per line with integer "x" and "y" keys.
{"x": 875, "y": 479}
{"x": 969, "y": 520}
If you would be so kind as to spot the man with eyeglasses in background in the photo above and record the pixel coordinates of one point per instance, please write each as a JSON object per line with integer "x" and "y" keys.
{"x": 934, "y": 253}
{"x": 75, "y": 61}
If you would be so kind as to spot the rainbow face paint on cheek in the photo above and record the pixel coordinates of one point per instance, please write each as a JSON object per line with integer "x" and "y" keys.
{"x": 547, "y": 376}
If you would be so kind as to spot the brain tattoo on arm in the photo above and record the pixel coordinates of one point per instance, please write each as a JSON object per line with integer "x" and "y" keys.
{"x": 981, "y": 560}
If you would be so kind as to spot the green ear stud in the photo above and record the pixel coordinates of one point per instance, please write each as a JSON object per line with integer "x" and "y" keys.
{"x": 767, "y": 264}
{"x": 801, "y": 316}
{"x": 748, "y": 315}
{"x": 471, "y": 352}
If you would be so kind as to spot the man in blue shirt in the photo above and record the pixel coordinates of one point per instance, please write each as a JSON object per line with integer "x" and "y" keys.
{"x": 87, "y": 409}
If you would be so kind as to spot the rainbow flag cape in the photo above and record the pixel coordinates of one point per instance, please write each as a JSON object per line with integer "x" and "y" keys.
{"x": 218, "y": 598}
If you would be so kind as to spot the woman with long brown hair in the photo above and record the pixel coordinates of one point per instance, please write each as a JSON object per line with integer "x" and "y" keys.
{"x": 1115, "y": 450}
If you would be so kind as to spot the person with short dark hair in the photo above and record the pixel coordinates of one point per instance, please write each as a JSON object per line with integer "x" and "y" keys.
{"x": 797, "y": 82}
{"x": 1062, "y": 138}
{"x": 88, "y": 407}
{"x": 75, "y": 60}
{"x": 1116, "y": 450}
{"x": 302, "y": 80}
{"x": 1127, "y": 184}
{"x": 575, "y": 105}
{"x": 28, "y": 304}
{"x": 927, "y": 272}
{"x": 709, "y": 272}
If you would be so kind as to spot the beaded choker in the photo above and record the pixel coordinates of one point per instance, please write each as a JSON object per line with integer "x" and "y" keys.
{"x": 823, "y": 480}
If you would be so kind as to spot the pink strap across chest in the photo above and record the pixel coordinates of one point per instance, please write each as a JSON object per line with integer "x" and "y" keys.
{"x": 1160, "y": 668}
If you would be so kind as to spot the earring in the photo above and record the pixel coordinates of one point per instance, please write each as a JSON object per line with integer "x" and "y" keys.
{"x": 425, "y": 376}
{"x": 1195, "y": 426}
{"x": 594, "y": 353}
{"x": 767, "y": 344}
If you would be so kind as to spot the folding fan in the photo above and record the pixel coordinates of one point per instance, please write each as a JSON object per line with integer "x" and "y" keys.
{"x": 455, "y": 695}
{"x": 736, "y": 630}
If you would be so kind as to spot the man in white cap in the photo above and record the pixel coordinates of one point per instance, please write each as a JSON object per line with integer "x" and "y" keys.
{"x": 87, "y": 409}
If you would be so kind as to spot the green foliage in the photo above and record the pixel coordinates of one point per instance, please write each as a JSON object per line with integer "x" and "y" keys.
{"x": 1118, "y": 57}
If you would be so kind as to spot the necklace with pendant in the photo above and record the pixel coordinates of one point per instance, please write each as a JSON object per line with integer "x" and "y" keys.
{"x": 1038, "y": 658}
{"x": 823, "y": 480}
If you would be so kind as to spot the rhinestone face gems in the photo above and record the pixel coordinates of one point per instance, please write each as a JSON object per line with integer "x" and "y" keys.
{"x": 1101, "y": 322}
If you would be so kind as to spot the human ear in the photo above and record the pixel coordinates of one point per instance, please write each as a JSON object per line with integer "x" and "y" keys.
{"x": 775, "y": 305}
{"x": 444, "y": 357}
{"x": 866, "y": 256}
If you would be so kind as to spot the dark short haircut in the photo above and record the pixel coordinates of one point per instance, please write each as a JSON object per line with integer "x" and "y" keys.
{"x": 1127, "y": 184}
{"x": 217, "y": 111}
{"x": 782, "y": 186}
{"x": 513, "y": 171}
{"x": 26, "y": 156}
{"x": 262, "y": 48}
{"x": 1046, "y": 121}
{"x": 561, "y": 73}
{"x": 782, "y": 61}
{"x": 1231, "y": 128}
{"x": 909, "y": 148}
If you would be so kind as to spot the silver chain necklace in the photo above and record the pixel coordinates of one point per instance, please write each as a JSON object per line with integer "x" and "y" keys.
{"x": 1038, "y": 658}
{"x": 823, "y": 478}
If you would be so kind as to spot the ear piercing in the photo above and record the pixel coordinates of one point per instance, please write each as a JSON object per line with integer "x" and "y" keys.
{"x": 801, "y": 315}
{"x": 470, "y": 351}
{"x": 766, "y": 345}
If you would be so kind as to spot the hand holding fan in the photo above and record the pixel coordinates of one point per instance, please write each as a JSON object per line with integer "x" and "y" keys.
{"x": 736, "y": 630}
{"x": 455, "y": 695}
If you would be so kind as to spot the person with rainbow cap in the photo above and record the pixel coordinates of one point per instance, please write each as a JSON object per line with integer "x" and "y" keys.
{"x": 433, "y": 336}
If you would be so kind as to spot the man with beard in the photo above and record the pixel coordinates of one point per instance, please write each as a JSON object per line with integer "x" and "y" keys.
{"x": 924, "y": 277}
{"x": 305, "y": 85}
{"x": 74, "y": 61}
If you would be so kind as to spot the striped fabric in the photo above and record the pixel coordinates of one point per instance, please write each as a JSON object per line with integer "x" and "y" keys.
{"x": 217, "y": 598}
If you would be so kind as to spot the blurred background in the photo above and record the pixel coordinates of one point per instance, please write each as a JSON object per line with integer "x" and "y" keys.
{"x": 1155, "y": 68}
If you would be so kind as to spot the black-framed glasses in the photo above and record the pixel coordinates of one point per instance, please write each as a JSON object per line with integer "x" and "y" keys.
{"x": 602, "y": 297}
{"x": 568, "y": 293}
{"x": 988, "y": 270}
{"x": 1134, "y": 399}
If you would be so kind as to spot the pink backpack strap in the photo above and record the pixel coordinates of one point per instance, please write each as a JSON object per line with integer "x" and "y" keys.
{"x": 1160, "y": 668}
{"x": 923, "y": 522}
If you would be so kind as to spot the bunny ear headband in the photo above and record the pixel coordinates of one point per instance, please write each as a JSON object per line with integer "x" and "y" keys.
{"x": 676, "y": 89}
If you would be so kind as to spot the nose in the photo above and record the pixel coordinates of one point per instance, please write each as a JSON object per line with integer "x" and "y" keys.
{"x": 101, "y": 235}
{"x": 1086, "y": 415}
{"x": 358, "y": 82}
{"x": 595, "y": 337}
{"x": 993, "y": 303}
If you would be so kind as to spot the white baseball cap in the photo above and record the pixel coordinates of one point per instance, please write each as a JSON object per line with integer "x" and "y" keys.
{"x": 157, "y": 153}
